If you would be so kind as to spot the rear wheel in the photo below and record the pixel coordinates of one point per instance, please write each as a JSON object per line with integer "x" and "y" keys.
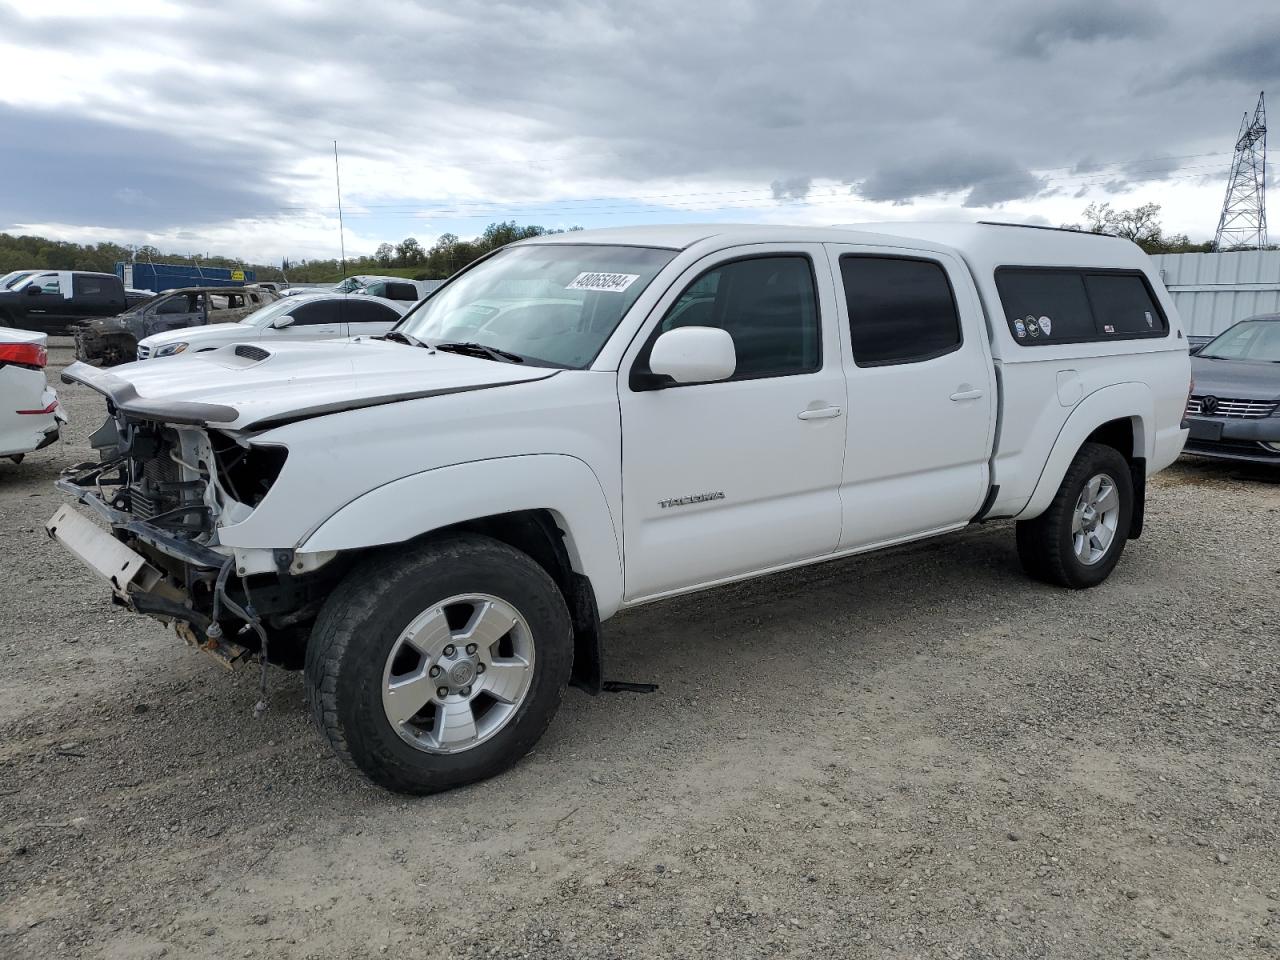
{"x": 1078, "y": 540}
{"x": 442, "y": 666}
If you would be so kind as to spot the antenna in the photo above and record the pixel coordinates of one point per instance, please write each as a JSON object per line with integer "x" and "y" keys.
{"x": 342, "y": 240}
{"x": 1243, "y": 224}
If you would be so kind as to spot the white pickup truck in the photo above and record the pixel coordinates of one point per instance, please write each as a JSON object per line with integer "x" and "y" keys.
{"x": 434, "y": 523}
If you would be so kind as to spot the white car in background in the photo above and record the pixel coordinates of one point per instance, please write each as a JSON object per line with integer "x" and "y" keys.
{"x": 30, "y": 416}
{"x": 393, "y": 288}
{"x": 313, "y": 316}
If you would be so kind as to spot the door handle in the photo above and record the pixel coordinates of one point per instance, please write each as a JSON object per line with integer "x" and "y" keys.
{"x": 821, "y": 413}
{"x": 966, "y": 395}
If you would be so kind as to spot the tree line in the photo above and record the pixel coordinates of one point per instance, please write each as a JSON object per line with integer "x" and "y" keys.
{"x": 447, "y": 255}
{"x": 1141, "y": 225}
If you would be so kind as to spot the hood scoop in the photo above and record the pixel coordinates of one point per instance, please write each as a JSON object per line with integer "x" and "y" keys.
{"x": 247, "y": 351}
{"x": 238, "y": 357}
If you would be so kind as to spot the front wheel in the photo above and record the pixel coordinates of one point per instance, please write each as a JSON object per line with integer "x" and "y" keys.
{"x": 1078, "y": 540}
{"x": 118, "y": 350}
{"x": 441, "y": 666}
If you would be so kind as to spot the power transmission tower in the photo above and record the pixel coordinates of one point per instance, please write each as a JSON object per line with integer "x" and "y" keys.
{"x": 1243, "y": 223}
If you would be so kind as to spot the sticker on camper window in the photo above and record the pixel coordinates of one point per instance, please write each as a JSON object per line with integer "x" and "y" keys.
{"x": 1020, "y": 328}
{"x": 604, "y": 282}
{"x": 1151, "y": 321}
{"x": 1046, "y": 326}
{"x": 1033, "y": 328}
{"x": 1108, "y": 328}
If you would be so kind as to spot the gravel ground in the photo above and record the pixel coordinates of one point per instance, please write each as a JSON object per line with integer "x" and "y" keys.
{"x": 914, "y": 754}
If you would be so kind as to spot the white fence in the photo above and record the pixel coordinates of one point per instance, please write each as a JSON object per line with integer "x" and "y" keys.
{"x": 1214, "y": 290}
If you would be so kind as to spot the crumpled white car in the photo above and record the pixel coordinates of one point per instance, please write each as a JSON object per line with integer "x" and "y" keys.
{"x": 30, "y": 415}
{"x": 320, "y": 316}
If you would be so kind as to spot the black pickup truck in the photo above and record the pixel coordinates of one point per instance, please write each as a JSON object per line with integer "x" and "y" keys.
{"x": 53, "y": 301}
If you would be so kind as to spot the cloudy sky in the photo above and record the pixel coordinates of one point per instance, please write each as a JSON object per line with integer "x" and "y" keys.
{"x": 209, "y": 126}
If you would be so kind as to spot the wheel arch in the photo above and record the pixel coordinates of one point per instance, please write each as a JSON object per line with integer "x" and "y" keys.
{"x": 549, "y": 506}
{"x": 1121, "y": 416}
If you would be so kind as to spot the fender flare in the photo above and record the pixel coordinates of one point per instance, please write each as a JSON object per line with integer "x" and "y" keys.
{"x": 438, "y": 498}
{"x": 1121, "y": 401}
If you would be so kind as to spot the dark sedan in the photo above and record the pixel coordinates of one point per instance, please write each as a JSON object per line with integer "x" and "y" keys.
{"x": 1235, "y": 404}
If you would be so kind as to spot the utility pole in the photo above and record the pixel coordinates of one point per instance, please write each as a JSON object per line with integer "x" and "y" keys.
{"x": 342, "y": 240}
{"x": 1243, "y": 224}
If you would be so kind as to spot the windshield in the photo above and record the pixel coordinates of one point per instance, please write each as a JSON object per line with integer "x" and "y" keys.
{"x": 9, "y": 279}
{"x": 1256, "y": 340}
{"x": 349, "y": 285}
{"x": 554, "y": 304}
{"x": 41, "y": 279}
{"x": 260, "y": 318}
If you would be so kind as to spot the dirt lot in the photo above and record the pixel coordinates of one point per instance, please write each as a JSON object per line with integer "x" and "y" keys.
{"x": 916, "y": 754}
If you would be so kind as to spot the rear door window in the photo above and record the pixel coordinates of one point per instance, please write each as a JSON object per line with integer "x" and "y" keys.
{"x": 314, "y": 314}
{"x": 900, "y": 310}
{"x": 363, "y": 311}
{"x": 401, "y": 291}
{"x": 94, "y": 287}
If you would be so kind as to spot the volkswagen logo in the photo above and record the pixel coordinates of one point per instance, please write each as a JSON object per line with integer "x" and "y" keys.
{"x": 1209, "y": 405}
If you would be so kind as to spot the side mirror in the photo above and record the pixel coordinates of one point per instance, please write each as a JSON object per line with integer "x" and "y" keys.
{"x": 33, "y": 290}
{"x": 694, "y": 355}
{"x": 280, "y": 322}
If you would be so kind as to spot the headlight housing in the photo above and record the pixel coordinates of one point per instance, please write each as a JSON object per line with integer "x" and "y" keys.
{"x": 170, "y": 349}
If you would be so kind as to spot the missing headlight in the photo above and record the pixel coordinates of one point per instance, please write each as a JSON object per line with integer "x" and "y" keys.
{"x": 246, "y": 473}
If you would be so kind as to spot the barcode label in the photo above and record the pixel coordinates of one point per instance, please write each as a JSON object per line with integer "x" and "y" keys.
{"x": 605, "y": 282}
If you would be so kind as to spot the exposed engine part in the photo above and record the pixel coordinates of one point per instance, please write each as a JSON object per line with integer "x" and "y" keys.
{"x": 164, "y": 489}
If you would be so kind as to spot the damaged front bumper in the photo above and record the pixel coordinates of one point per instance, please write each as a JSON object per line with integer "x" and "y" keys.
{"x": 109, "y": 348}
{"x": 137, "y": 582}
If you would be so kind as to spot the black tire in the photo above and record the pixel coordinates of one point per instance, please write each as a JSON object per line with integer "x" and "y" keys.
{"x": 360, "y": 623}
{"x": 119, "y": 350}
{"x": 1045, "y": 543}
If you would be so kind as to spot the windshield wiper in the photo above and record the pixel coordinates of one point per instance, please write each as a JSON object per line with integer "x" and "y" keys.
{"x": 397, "y": 336}
{"x": 471, "y": 348}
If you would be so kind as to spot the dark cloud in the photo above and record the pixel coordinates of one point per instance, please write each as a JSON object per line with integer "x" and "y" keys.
{"x": 989, "y": 180}
{"x": 1126, "y": 176}
{"x": 66, "y": 169}
{"x": 180, "y": 120}
{"x": 1254, "y": 60}
{"x": 793, "y": 188}
{"x": 1045, "y": 27}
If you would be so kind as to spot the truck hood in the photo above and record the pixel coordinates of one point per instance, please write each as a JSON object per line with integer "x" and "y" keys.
{"x": 253, "y": 386}
{"x": 1236, "y": 379}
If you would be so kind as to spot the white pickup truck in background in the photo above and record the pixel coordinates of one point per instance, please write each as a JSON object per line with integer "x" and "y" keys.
{"x": 435, "y": 523}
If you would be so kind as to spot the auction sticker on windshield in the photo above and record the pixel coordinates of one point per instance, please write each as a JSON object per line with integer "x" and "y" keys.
{"x": 605, "y": 282}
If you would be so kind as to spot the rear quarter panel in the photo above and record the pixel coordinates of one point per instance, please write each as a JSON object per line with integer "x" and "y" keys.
{"x": 1044, "y": 388}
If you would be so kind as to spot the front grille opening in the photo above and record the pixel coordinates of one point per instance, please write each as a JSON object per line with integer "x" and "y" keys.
{"x": 247, "y": 473}
{"x": 1207, "y": 405}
